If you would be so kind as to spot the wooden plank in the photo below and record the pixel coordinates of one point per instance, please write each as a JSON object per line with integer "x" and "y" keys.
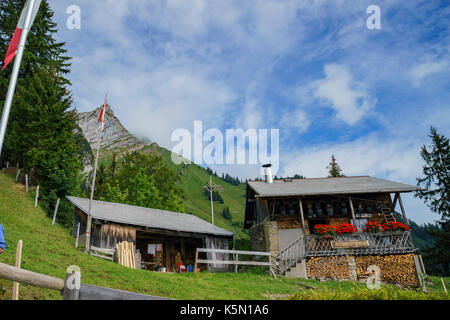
{"x": 103, "y": 250}
{"x": 349, "y": 244}
{"x": 15, "y": 292}
{"x": 31, "y": 278}
{"x": 255, "y": 253}
{"x": 248, "y": 263}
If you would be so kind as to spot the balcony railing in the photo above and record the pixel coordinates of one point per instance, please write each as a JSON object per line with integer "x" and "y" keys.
{"x": 398, "y": 242}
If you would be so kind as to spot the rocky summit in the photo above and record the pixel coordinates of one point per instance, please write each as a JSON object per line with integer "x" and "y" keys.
{"x": 115, "y": 136}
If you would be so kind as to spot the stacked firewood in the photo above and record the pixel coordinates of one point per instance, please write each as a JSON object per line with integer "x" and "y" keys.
{"x": 398, "y": 269}
{"x": 334, "y": 267}
{"x": 126, "y": 254}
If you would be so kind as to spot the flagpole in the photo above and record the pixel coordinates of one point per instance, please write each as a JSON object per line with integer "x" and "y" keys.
{"x": 14, "y": 75}
{"x": 89, "y": 218}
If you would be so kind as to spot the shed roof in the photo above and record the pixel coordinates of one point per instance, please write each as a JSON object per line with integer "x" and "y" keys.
{"x": 324, "y": 186}
{"x": 147, "y": 217}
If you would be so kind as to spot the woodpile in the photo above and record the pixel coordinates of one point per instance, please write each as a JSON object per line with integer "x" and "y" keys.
{"x": 126, "y": 254}
{"x": 398, "y": 269}
{"x": 335, "y": 267}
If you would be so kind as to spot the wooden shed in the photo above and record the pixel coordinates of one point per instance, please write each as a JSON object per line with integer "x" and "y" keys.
{"x": 163, "y": 238}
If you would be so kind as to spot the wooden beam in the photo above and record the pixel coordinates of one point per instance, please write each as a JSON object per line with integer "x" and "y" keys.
{"x": 31, "y": 278}
{"x": 394, "y": 203}
{"x": 352, "y": 211}
{"x": 402, "y": 208}
{"x": 301, "y": 213}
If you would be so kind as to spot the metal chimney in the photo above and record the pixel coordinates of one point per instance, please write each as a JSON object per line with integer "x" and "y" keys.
{"x": 268, "y": 173}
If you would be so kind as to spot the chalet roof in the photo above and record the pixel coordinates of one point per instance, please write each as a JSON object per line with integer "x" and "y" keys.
{"x": 147, "y": 217}
{"x": 324, "y": 186}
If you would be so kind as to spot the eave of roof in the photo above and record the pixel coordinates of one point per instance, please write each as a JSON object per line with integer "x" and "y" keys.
{"x": 205, "y": 227}
{"x": 328, "y": 186}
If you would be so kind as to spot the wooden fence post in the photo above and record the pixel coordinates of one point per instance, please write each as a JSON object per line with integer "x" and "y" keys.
{"x": 443, "y": 285}
{"x": 78, "y": 235}
{"x": 196, "y": 258}
{"x": 15, "y": 291}
{"x": 18, "y": 173}
{"x": 72, "y": 285}
{"x": 56, "y": 211}
{"x": 37, "y": 197}
{"x": 26, "y": 182}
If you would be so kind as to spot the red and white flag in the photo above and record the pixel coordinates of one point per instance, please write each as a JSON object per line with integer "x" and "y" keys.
{"x": 12, "y": 49}
{"x": 101, "y": 119}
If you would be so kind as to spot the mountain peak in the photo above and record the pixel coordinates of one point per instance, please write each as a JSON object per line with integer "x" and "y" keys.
{"x": 115, "y": 135}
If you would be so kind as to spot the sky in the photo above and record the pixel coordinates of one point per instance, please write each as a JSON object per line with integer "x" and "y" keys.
{"x": 312, "y": 69}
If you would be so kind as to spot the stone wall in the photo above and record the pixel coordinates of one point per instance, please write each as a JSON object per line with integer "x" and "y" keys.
{"x": 271, "y": 231}
{"x": 398, "y": 269}
{"x": 264, "y": 237}
{"x": 257, "y": 237}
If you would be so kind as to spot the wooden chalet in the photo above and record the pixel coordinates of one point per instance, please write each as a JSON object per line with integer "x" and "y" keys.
{"x": 281, "y": 215}
{"x": 297, "y": 205}
{"x": 163, "y": 238}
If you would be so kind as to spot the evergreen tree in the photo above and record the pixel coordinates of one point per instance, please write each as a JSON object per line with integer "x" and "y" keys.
{"x": 435, "y": 191}
{"x": 226, "y": 213}
{"x": 334, "y": 169}
{"x": 40, "y": 133}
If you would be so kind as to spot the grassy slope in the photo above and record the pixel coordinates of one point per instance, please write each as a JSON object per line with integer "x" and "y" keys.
{"x": 50, "y": 250}
{"x": 195, "y": 202}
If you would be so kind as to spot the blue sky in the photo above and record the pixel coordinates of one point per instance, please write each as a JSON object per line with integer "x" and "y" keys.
{"x": 309, "y": 68}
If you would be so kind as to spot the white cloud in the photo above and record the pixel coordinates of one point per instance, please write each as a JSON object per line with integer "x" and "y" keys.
{"x": 343, "y": 94}
{"x": 297, "y": 120}
{"x": 426, "y": 69}
{"x": 394, "y": 159}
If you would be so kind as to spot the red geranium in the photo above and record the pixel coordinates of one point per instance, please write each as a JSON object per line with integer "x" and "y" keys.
{"x": 395, "y": 226}
{"x": 372, "y": 226}
{"x": 327, "y": 231}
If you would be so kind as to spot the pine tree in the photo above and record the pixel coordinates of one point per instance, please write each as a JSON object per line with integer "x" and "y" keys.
{"x": 334, "y": 169}
{"x": 435, "y": 191}
{"x": 40, "y": 134}
{"x": 41, "y": 49}
{"x": 226, "y": 213}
